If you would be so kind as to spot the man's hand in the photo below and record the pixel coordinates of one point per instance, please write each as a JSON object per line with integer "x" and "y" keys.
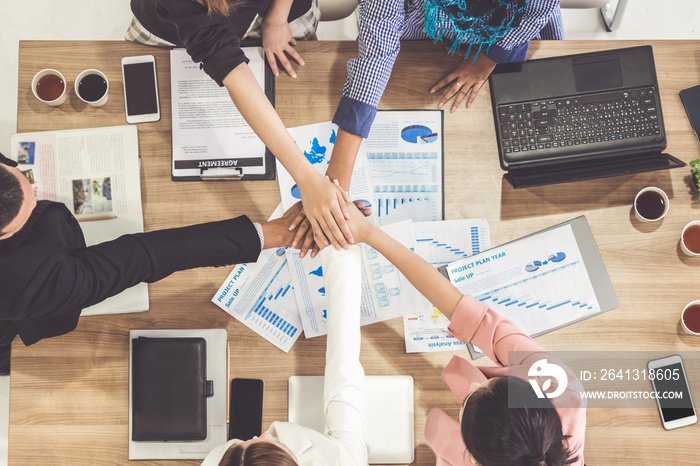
{"x": 279, "y": 232}
{"x": 469, "y": 75}
{"x": 278, "y": 43}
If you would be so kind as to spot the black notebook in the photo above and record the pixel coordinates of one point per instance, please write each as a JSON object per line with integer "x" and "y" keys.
{"x": 169, "y": 389}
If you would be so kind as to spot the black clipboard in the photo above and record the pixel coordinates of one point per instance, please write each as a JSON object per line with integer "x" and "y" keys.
{"x": 597, "y": 273}
{"x": 208, "y": 168}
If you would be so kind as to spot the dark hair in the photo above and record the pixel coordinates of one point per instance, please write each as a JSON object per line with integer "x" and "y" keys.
{"x": 505, "y": 423}
{"x": 11, "y": 197}
{"x": 257, "y": 454}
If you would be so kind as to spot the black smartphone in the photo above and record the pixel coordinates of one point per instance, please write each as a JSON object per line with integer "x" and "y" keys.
{"x": 691, "y": 101}
{"x": 245, "y": 409}
{"x": 140, "y": 89}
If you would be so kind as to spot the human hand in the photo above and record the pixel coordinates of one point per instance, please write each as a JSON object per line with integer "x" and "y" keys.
{"x": 279, "y": 232}
{"x": 304, "y": 234}
{"x": 325, "y": 210}
{"x": 304, "y": 237}
{"x": 469, "y": 75}
{"x": 278, "y": 43}
{"x": 357, "y": 214}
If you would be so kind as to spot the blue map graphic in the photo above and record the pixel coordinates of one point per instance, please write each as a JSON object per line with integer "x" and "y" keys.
{"x": 322, "y": 290}
{"x": 317, "y": 153}
{"x": 318, "y": 272}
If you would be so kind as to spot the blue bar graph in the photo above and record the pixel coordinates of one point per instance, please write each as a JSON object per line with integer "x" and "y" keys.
{"x": 534, "y": 300}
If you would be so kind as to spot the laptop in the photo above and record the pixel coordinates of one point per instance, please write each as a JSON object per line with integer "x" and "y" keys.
{"x": 389, "y": 416}
{"x": 579, "y": 117}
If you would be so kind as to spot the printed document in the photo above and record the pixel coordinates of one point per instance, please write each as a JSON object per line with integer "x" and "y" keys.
{"x": 540, "y": 283}
{"x": 439, "y": 243}
{"x": 316, "y": 142}
{"x": 209, "y": 133}
{"x": 405, "y": 157}
{"x": 95, "y": 173}
{"x": 386, "y": 293}
{"x": 261, "y": 296}
{"x": 399, "y": 167}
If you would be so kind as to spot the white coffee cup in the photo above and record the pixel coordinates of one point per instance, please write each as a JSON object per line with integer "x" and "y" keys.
{"x": 692, "y": 303}
{"x": 46, "y": 89}
{"x": 92, "y": 87}
{"x": 683, "y": 246}
{"x": 658, "y": 191}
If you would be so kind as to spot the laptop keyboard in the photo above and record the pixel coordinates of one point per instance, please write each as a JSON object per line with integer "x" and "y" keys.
{"x": 572, "y": 121}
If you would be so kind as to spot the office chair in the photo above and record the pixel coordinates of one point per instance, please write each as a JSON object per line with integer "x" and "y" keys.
{"x": 611, "y": 16}
{"x": 333, "y": 10}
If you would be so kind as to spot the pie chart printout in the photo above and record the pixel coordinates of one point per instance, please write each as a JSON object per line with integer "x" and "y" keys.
{"x": 418, "y": 134}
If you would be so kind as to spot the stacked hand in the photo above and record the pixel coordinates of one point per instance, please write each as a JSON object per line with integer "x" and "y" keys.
{"x": 469, "y": 75}
{"x": 306, "y": 239}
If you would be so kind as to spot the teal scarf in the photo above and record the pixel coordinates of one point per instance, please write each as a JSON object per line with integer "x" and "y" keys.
{"x": 480, "y": 23}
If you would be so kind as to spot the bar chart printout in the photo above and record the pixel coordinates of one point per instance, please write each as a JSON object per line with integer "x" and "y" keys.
{"x": 405, "y": 159}
{"x": 540, "y": 283}
{"x": 261, "y": 296}
{"x": 440, "y": 243}
{"x": 386, "y": 293}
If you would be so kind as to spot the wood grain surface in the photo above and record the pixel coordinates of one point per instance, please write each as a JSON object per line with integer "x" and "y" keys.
{"x": 69, "y": 394}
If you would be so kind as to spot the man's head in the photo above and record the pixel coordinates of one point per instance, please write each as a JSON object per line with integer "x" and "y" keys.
{"x": 16, "y": 200}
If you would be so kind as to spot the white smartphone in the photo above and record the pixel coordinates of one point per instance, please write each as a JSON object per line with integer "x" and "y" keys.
{"x": 673, "y": 397}
{"x": 140, "y": 89}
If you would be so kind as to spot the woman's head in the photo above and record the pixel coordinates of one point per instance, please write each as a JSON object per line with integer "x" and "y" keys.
{"x": 262, "y": 451}
{"x": 504, "y": 423}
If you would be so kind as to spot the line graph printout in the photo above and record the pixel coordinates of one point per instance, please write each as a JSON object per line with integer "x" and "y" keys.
{"x": 405, "y": 159}
{"x": 261, "y": 296}
{"x": 540, "y": 283}
{"x": 440, "y": 243}
{"x": 386, "y": 293}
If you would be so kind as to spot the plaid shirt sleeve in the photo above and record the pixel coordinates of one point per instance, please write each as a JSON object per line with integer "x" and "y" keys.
{"x": 542, "y": 20}
{"x": 381, "y": 25}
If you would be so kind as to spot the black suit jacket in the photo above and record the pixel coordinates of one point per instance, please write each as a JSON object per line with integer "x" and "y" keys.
{"x": 48, "y": 275}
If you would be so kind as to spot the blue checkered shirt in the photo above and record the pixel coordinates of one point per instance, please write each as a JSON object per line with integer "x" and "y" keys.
{"x": 384, "y": 23}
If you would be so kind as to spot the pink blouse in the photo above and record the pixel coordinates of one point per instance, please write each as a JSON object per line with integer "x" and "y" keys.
{"x": 475, "y": 322}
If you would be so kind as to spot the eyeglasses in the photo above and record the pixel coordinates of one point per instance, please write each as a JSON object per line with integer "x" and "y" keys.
{"x": 7, "y": 161}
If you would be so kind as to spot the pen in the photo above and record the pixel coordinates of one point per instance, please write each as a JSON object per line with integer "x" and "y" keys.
{"x": 92, "y": 219}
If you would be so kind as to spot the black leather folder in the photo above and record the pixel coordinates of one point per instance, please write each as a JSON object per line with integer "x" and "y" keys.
{"x": 169, "y": 389}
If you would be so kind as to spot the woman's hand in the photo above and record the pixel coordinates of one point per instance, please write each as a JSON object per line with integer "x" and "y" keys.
{"x": 278, "y": 43}
{"x": 326, "y": 211}
{"x": 356, "y": 218}
{"x": 468, "y": 75}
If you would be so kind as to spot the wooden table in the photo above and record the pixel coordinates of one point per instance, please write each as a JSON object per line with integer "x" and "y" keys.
{"x": 69, "y": 394}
